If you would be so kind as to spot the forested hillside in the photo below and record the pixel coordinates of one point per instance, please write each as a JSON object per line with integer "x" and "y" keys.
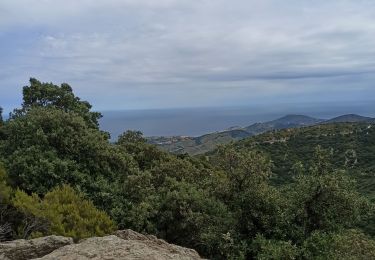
{"x": 208, "y": 142}
{"x": 351, "y": 146}
{"x": 61, "y": 175}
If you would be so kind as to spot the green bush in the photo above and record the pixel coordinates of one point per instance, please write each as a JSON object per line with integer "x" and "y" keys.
{"x": 66, "y": 212}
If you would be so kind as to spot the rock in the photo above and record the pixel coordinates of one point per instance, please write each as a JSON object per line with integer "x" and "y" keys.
{"x": 27, "y": 249}
{"x": 125, "y": 244}
{"x": 156, "y": 243}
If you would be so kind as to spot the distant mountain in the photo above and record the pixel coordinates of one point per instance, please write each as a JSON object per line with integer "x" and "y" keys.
{"x": 350, "y": 118}
{"x": 208, "y": 142}
{"x": 288, "y": 121}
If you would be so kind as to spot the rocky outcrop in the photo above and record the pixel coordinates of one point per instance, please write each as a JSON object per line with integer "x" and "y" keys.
{"x": 124, "y": 244}
{"x": 28, "y": 249}
{"x": 158, "y": 244}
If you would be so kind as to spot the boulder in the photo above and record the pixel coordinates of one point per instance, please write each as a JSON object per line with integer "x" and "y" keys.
{"x": 27, "y": 249}
{"x": 125, "y": 244}
{"x": 159, "y": 244}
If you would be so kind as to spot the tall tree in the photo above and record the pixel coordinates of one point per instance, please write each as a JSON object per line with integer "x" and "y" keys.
{"x": 40, "y": 94}
{"x": 54, "y": 139}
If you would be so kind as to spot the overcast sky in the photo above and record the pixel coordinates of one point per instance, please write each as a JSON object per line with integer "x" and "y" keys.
{"x": 135, "y": 54}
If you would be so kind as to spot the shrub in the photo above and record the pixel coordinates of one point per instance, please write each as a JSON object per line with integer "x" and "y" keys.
{"x": 67, "y": 213}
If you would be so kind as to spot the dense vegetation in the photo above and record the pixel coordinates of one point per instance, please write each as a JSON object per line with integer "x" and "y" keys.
{"x": 58, "y": 165}
{"x": 351, "y": 146}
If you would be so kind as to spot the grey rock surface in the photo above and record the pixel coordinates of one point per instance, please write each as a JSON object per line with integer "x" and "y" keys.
{"x": 28, "y": 249}
{"x": 124, "y": 244}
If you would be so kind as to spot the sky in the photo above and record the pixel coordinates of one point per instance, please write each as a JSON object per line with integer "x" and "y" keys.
{"x": 145, "y": 54}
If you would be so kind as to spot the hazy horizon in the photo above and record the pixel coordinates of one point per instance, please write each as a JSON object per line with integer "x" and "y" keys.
{"x": 199, "y": 121}
{"x": 266, "y": 58}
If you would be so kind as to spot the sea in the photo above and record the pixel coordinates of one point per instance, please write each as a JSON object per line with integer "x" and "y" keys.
{"x": 199, "y": 121}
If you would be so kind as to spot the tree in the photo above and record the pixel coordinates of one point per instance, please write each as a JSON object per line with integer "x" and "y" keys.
{"x": 244, "y": 169}
{"x": 172, "y": 200}
{"x": 189, "y": 216}
{"x": 133, "y": 142}
{"x": 263, "y": 248}
{"x": 324, "y": 199}
{"x": 131, "y": 137}
{"x": 5, "y": 190}
{"x": 257, "y": 206}
{"x": 40, "y": 94}
{"x": 349, "y": 244}
{"x": 6, "y": 216}
{"x": 34, "y": 223}
{"x": 48, "y": 147}
{"x": 260, "y": 210}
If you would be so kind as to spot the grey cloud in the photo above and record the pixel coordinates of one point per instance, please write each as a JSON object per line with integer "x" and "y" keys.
{"x": 177, "y": 52}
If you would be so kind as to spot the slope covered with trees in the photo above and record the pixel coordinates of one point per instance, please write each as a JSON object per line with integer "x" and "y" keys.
{"x": 351, "y": 146}
{"x": 62, "y": 176}
{"x": 209, "y": 142}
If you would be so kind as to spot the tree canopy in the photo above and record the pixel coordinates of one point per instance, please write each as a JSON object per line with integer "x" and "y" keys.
{"x": 40, "y": 94}
{"x": 62, "y": 175}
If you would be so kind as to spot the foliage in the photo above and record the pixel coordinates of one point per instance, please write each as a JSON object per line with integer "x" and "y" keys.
{"x": 275, "y": 196}
{"x": 244, "y": 170}
{"x": 64, "y": 212}
{"x": 273, "y": 249}
{"x": 350, "y": 244}
{"x": 48, "y": 147}
{"x": 324, "y": 199}
{"x": 260, "y": 211}
{"x": 257, "y": 205}
{"x": 347, "y": 146}
{"x": 34, "y": 222}
{"x": 6, "y": 216}
{"x": 185, "y": 209}
{"x": 146, "y": 155}
{"x": 48, "y": 95}
{"x": 5, "y": 190}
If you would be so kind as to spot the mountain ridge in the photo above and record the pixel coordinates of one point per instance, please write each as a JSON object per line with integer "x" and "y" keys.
{"x": 207, "y": 142}
{"x": 350, "y": 118}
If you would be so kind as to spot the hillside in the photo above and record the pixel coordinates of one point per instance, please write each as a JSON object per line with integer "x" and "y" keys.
{"x": 208, "y": 142}
{"x": 348, "y": 141}
{"x": 288, "y": 121}
{"x": 197, "y": 145}
{"x": 352, "y": 146}
{"x": 350, "y": 118}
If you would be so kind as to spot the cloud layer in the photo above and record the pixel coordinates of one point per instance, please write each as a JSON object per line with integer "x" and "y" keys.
{"x": 177, "y": 53}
